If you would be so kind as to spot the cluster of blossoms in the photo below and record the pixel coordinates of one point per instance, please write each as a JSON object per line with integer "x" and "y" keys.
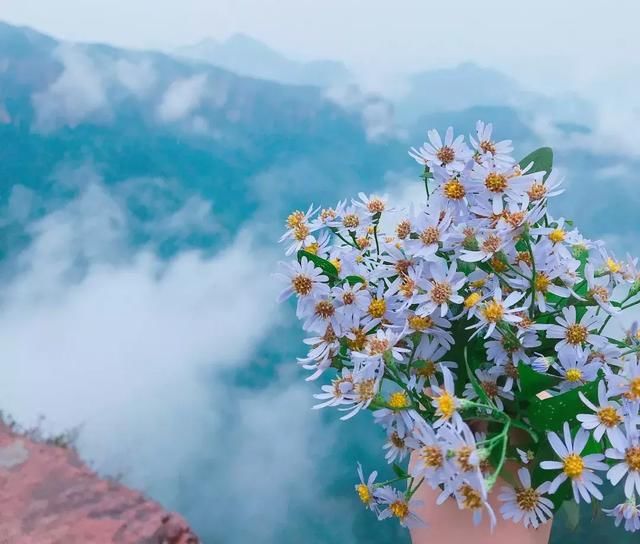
{"x": 473, "y": 327}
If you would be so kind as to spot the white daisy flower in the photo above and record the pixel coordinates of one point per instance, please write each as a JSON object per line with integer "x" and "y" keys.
{"x": 607, "y": 417}
{"x": 576, "y": 369}
{"x": 432, "y": 230}
{"x": 444, "y": 400}
{"x": 304, "y": 279}
{"x": 487, "y": 149}
{"x": 497, "y": 184}
{"x": 431, "y": 456}
{"x": 451, "y": 153}
{"x": 574, "y": 334}
{"x": 299, "y": 230}
{"x": 580, "y": 470}
{"x": 491, "y": 388}
{"x": 540, "y": 190}
{"x": 627, "y": 381}
{"x": 373, "y": 204}
{"x": 339, "y": 392}
{"x": 489, "y": 244}
{"x": 626, "y": 451}
{"x": 628, "y": 511}
{"x": 465, "y": 456}
{"x": 468, "y": 498}
{"x": 398, "y": 413}
{"x": 441, "y": 290}
{"x": 496, "y": 310}
{"x": 366, "y": 489}
{"x": 352, "y": 302}
{"x": 398, "y": 447}
{"x": 366, "y": 385}
{"x": 524, "y": 504}
{"x": 399, "y": 507}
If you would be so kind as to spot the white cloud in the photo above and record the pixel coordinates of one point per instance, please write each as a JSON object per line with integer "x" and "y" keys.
{"x": 137, "y": 77}
{"x": 377, "y": 114}
{"x": 77, "y": 94}
{"x": 136, "y": 351}
{"x": 182, "y": 98}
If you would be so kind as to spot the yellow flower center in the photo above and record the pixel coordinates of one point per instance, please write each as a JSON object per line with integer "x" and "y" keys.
{"x": 576, "y": 334}
{"x": 377, "y": 307}
{"x": 632, "y": 457}
{"x": 471, "y": 499}
{"x": 574, "y": 375}
{"x": 327, "y": 214}
{"x": 398, "y": 400}
{"x": 446, "y": 404}
{"x": 490, "y": 388}
{"x": 302, "y": 284}
{"x": 420, "y": 323}
{"x": 573, "y": 465}
{"x": 527, "y": 499}
{"x": 295, "y": 219}
{"x": 478, "y": 284}
{"x": 430, "y": 235}
{"x": 428, "y": 370}
{"x": 537, "y": 191}
{"x": 375, "y": 205}
{"x": 496, "y": 183}
{"x": 634, "y": 389}
{"x": 432, "y": 456}
{"x": 364, "y": 493}
{"x": 492, "y": 243}
{"x": 454, "y": 190}
{"x": 609, "y": 416}
{"x": 599, "y": 292}
{"x": 488, "y": 146}
{"x": 440, "y": 292}
{"x": 366, "y": 389}
{"x": 300, "y": 232}
{"x": 399, "y": 509}
{"x": 351, "y": 221}
{"x": 462, "y": 457}
{"x": 542, "y": 282}
{"x": 613, "y": 266}
{"x": 472, "y": 300}
{"x": 377, "y": 346}
{"x": 557, "y": 235}
{"x": 403, "y": 229}
{"x": 493, "y": 311}
{"x": 358, "y": 341}
{"x": 396, "y": 440}
{"x": 312, "y": 248}
{"x": 324, "y": 309}
{"x": 446, "y": 154}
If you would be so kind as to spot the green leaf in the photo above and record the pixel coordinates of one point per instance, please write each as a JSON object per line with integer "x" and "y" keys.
{"x": 542, "y": 160}
{"x": 550, "y": 414}
{"x": 321, "y": 263}
{"x": 400, "y": 472}
{"x": 571, "y": 511}
{"x": 353, "y": 280}
{"x": 532, "y": 382}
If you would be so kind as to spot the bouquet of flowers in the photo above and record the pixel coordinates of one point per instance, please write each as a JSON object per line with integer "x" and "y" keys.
{"x": 475, "y": 328}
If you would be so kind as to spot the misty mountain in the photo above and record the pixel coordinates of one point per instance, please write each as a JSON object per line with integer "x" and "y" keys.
{"x": 246, "y": 56}
{"x": 236, "y": 141}
{"x": 187, "y": 153}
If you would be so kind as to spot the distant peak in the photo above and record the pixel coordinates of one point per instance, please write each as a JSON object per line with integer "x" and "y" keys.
{"x": 247, "y": 42}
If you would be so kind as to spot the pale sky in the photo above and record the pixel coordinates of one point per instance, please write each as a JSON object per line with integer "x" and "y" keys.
{"x": 547, "y": 44}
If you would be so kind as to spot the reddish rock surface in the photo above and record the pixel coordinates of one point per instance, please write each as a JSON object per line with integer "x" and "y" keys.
{"x": 48, "y": 496}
